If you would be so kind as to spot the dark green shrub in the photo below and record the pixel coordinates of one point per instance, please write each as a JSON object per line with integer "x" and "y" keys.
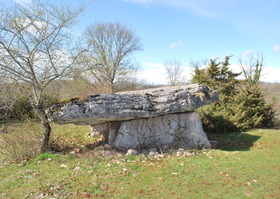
{"x": 22, "y": 108}
{"x": 251, "y": 110}
{"x": 241, "y": 105}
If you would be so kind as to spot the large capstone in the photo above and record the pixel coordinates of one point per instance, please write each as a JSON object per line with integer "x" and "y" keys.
{"x": 132, "y": 105}
{"x": 161, "y": 117}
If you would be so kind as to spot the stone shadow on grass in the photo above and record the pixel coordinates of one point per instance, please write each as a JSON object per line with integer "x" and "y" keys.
{"x": 234, "y": 141}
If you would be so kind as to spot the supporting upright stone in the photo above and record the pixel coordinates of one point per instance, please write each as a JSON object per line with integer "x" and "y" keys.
{"x": 169, "y": 131}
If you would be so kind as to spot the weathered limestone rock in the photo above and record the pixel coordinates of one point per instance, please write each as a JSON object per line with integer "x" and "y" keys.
{"x": 175, "y": 131}
{"x": 132, "y": 152}
{"x": 162, "y": 117}
{"x": 130, "y": 105}
{"x": 100, "y": 130}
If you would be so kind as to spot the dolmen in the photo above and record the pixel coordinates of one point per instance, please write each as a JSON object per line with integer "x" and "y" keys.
{"x": 161, "y": 117}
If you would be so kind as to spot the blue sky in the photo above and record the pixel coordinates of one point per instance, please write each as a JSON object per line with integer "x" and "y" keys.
{"x": 194, "y": 29}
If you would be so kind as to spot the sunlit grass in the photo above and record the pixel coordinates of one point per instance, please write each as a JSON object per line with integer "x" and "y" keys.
{"x": 244, "y": 166}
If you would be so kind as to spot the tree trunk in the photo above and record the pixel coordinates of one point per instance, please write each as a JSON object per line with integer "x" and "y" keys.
{"x": 47, "y": 130}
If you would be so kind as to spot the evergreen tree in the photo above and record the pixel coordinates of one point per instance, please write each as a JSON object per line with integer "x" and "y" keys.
{"x": 241, "y": 105}
{"x": 251, "y": 110}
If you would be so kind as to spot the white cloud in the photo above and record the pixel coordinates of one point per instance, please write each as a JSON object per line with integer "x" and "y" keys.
{"x": 23, "y": 2}
{"x": 270, "y": 74}
{"x": 155, "y": 73}
{"x": 235, "y": 68}
{"x": 32, "y": 27}
{"x": 276, "y": 48}
{"x": 177, "y": 44}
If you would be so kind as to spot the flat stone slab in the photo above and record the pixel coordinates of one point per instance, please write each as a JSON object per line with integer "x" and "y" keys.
{"x": 131, "y": 105}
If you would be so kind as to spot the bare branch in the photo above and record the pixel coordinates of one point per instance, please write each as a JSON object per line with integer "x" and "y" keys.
{"x": 252, "y": 66}
{"x": 36, "y": 47}
{"x": 110, "y": 46}
{"x": 173, "y": 71}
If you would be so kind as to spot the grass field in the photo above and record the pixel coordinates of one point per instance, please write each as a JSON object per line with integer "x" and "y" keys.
{"x": 245, "y": 165}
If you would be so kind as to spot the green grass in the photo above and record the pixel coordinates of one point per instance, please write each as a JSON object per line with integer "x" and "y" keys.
{"x": 245, "y": 165}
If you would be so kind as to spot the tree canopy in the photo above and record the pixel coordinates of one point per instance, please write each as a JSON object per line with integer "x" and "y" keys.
{"x": 36, "y": 48}
{"x": 110, "y": 48}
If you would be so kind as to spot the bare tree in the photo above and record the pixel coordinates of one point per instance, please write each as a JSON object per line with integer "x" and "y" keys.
{"x": 110, "y": 47}
{"x": 35, "y": 49}
{"x": 174, "y": 71}
{"x": 198, "y": 64}
{"x": 251, "y": 66}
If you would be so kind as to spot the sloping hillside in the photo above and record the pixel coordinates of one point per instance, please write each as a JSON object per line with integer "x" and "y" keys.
{"x": 272, "y": 92}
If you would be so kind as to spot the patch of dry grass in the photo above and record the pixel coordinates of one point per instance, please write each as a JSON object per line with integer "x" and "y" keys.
{"x": 21, "y": 141}
{"x": 272, "y": 94}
